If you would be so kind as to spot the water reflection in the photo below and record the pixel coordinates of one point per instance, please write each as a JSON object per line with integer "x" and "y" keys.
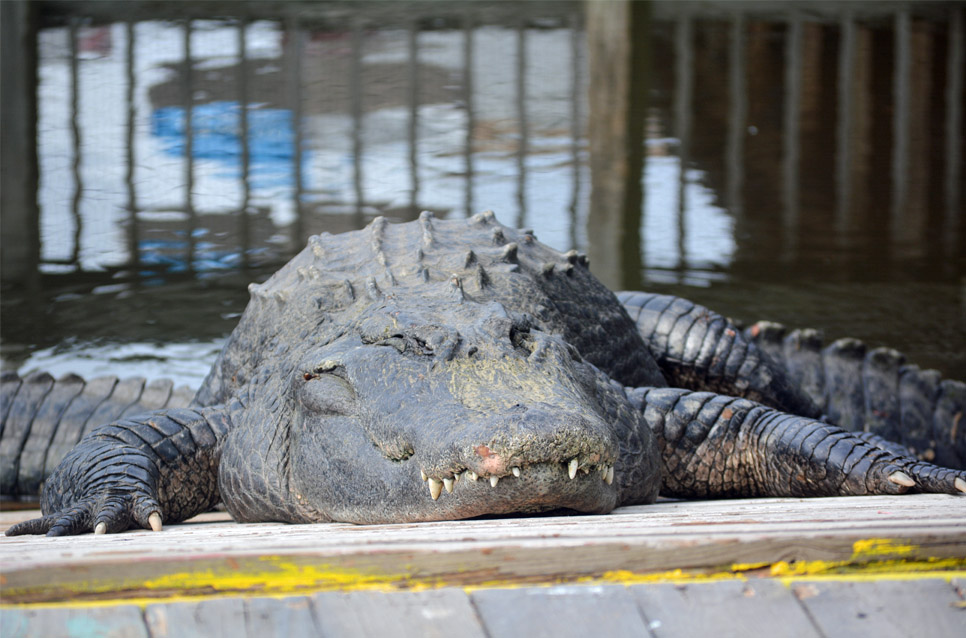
{"x": 800, "y": 165}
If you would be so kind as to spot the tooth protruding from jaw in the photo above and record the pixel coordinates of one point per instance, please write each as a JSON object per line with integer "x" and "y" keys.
{"x": 609, "y": 479}
{"x": 471, "y": 475}
{"x": 494, "y": 480}
{"x": 572, "y": 467}
{"x": 516, "y": 471}
{"x": 435, "y": 487}
{"x": 448, "y": 484}
{"x": 422, "y": 474}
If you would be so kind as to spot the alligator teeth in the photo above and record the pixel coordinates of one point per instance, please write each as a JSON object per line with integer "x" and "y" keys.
{"x": 457, "y": 477}
{"x": 448, "y": 484}
{"x": 960, "y": 484}
{"x": 609, "y": 479}
{"x": 471, "y": 475}
{"x": 435, "y": 487}
{"x": 494, "y": 480}
{"x": 516, "y": 471}
{"x": 603, "y": 471}
{"x": 422, "y": 474}
{"x": 572, "y": 467}
{"x": 901, "y": 478}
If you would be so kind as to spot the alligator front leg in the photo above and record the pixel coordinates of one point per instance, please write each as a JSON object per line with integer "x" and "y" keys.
{"x": 716, "y": 446}
{"x": 138, "y": 472}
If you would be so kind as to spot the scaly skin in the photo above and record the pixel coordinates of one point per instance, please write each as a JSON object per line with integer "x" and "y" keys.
{"x": 447, "y": 369}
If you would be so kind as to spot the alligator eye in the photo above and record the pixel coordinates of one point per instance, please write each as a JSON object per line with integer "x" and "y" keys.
{"x": 328, "y": 391}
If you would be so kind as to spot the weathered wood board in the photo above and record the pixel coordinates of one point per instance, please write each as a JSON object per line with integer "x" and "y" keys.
{"x": 669, "y": 540}
{"x": 756, "y": 607}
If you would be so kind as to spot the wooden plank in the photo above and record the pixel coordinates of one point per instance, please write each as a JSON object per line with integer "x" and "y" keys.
{"x": 779, "y": 536}
{"x": 560, "y": 611}
{"x": 232, "y": 618}
{"x": 743, "y": 609}
{"x": 123, "y": 621}
{"x": 441, "y": 613}
{"x": 217, "y": 618}
{"x": 929, "y": 607}
{"x": 289, "y": 617}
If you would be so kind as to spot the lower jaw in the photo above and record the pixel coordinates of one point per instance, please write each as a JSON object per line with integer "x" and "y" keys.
{"x": 539, "y": 488}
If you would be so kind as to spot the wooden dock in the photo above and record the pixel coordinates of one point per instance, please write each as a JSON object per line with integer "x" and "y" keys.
{"x": 878, "y": 566}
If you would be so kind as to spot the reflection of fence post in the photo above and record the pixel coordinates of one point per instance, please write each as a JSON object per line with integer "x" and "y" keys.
{"x": 618, "y": 57}
{"x": 293, "y": 78}
{"x": 953, "y": 225}
{"x": 133, "y": 231}
{"x": 20, "y": 249}
{"x": 189, "y": 160}
{"x": 468, "y": 100}
{"x": 791, "y": 131}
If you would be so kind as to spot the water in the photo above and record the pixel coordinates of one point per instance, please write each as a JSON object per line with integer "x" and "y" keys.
{"x": 804, "y": 167}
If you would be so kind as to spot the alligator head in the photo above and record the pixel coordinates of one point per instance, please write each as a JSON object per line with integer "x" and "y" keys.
{"x": 403, "y": 416}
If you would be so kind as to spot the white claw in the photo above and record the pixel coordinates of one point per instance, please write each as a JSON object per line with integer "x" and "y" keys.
{"x": 516, "y": 471}
{"x": 609, "y": 479}
{"x": 494, "y": 480}
{"x": 448, "y": 484}
{"x": 572, "y": 468}
{"x": 960, "y": 484}
{"x": 901, "y": 478}
{"x": 422, "y": 474}
{"x": 471, "y": 475}
{"x": 154, "y": 520}
{"x": 100, "y": 528}
{"x": 435, "y": 487}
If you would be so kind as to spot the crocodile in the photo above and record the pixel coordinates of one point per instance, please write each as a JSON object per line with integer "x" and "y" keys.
{"x": 443, "y": 369}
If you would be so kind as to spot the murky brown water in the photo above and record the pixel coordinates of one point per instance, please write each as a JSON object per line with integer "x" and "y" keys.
{"x": 804, "y": 167}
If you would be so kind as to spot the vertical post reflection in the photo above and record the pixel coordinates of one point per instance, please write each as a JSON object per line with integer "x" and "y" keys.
{"x": 575, "y": 93}
{"x": 76, "y": 138}
{"x": 244, "y": 229}
{"x": 294, "y": 82}
{"x": 522, "y": 123}
{"x": 843, "y": 129}
{"x": 737, "y": 117}
{"x": 683, "y": 95}
{"x": 791, "y": 123}
{"x": 413, "y": 41}
{"x": 900, "y": 124}
{"x": 468, "y": 104}
{"x": 186, "y": 96}
{"x": 954, "y": 131}
{"x": 355, "y": 90}
{"x": 618, "y": 59}
{"x": 133, "y": 232}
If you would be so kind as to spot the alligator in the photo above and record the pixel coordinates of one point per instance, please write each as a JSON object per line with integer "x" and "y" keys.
{"x": 444, "y": 369}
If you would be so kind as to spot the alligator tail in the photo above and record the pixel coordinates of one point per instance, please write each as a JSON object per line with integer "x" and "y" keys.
{"x": 873, "y": 390}
{"x": 42, "y": 418}
{"x": 846, "y": 383}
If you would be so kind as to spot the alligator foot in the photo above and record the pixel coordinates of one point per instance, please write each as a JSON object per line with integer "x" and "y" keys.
{"x": 717, "y": 446}
{"x": 100, "y": 488}
{"x": 138, "y": 472}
